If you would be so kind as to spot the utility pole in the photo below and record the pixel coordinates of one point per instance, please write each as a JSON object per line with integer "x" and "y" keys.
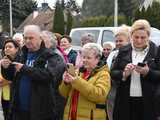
{"x": 10, "y": 14}
{"x": 115, "y": 13}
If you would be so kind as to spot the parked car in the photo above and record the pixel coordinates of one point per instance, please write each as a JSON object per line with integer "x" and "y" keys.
{"x": 103, "y": 34}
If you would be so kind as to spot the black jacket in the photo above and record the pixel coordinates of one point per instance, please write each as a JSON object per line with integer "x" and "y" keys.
{"x": 121, "y": 109}
{"x": 155, "y": 73}
{"x": 45, "y": 74}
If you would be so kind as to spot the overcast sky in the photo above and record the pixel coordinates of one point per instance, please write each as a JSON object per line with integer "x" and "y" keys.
{"x": 52, "y": 2}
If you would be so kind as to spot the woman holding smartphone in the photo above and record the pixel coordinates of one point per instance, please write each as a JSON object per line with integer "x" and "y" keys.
{"x": 10, "y": 51}
{"x": 86, "y": 91}
{"x": 135, "y": 91}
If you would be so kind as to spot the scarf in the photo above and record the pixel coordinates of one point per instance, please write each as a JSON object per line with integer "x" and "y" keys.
{"x": 75, "y": 96}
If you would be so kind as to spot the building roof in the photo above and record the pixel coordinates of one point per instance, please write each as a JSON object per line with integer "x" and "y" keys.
{"x": 42, "y": 18}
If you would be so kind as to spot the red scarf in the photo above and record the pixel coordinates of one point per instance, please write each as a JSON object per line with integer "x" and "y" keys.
{"x": 75, "y": 96}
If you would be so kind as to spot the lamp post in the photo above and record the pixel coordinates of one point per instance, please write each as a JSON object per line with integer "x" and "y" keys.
{"x": 10, "y": 15}
{"x": 0, "y": 22}
{"x": 115, "y": 13}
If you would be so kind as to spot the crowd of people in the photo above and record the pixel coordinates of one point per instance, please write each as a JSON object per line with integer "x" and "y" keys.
{"x": 44, "y": 78}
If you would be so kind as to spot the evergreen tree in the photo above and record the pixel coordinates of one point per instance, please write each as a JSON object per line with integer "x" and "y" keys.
{"x": 152, "y": 14}
{"x": 20, "y": 10}
{"x": 59, "y": 24}
{"x": 97, "y": 8}
{"x": 127, "y": 7}
{"x": 101, "y": 21}
{"x": 69, "y": 23}
{"x": 106, "y": 7}
{"x": 73, "y": 14}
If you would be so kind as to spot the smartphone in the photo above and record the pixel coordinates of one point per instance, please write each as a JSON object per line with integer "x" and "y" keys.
{"x": 71, "y": 69}
{"x": 141, "y": 64}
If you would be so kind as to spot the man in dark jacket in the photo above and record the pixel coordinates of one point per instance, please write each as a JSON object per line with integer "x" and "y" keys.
{"x": 50, "y": 43}
{"x": 32, "y": 95}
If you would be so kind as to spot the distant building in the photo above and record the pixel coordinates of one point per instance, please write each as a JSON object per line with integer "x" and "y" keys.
{"x": 42, "y": 17}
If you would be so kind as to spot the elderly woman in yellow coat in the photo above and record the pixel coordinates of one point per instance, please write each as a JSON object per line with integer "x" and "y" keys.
{"x": 87, "y": 90}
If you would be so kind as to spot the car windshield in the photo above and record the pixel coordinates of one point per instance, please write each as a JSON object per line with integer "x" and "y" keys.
{"x": 108, "y": 36}
{"x": 77, "y": 34}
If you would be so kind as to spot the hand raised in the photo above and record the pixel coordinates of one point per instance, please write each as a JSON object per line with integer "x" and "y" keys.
{"x": 142, "y": 70}
{"x": 128, "y": 70}
{"x": 5, "y": 62}
{"x": 67, "y": 78}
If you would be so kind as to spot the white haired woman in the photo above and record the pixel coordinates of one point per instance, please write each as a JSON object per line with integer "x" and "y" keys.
{"x": 86, "y": 91}
{"x": 107, "y": 48}
{"x": 18, "y": 37}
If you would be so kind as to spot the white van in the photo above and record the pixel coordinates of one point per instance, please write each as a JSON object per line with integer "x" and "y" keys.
{"x": 103, "y": 34}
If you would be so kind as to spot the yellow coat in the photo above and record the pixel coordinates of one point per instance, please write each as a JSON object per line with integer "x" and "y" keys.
{"x": 5, "y": 88}
{"x": 92, "y": 93}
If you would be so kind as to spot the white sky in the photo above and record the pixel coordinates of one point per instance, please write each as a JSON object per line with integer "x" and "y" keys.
{"x": 52, "y": 2}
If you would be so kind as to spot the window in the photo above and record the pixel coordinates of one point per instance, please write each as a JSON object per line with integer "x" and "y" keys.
{"x": 76, "y": 36}
{"x": 108, "y": 36}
